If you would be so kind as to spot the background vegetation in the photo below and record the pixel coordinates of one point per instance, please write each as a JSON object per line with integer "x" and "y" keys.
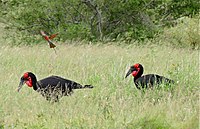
{"x": 105, "y": 20}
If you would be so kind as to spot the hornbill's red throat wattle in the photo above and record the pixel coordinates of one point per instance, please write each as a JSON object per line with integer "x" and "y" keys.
{"x": 148, "y": 80}
{"x": 52, "y": 87}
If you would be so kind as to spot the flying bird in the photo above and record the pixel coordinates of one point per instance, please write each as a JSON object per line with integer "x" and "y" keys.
{"x": 146, "y": 81}
{"x": 52, "y": 87}
{"x": 49, "y": 38}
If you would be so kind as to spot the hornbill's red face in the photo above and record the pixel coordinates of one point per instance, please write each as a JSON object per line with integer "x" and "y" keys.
{"x": 133, "y": 70}
{"x": 26, "y": 78}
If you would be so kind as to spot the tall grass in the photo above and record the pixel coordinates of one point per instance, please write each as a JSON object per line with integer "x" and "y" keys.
{"x": 114, "y": 102}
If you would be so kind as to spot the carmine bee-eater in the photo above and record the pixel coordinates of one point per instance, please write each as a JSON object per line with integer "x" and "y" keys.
{"x": 49, "y": 38}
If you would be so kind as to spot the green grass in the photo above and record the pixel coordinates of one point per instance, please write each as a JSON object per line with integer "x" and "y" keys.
{"x": 114, "y": 102}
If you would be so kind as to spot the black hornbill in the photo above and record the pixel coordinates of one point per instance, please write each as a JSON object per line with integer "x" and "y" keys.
{"x": 146, "y": 81}
{"x": 52, "y": 87}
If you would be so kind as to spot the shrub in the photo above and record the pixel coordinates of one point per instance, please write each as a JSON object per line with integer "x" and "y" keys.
{"x": 184, "y": 34}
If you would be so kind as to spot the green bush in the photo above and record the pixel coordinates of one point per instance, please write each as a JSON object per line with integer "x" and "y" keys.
{"x": 184, "y": 34}
{"x": 110, "y": 20}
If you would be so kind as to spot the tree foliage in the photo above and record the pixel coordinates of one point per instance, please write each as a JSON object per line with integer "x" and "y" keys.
{"x": 96, "y": 19}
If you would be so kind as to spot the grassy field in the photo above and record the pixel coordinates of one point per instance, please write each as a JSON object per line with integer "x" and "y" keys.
{"x": 114, "y": 103}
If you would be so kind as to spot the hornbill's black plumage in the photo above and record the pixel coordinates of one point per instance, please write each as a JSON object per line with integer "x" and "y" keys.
{"x": 146, "y": 81}
{"x": 51, "y": 87}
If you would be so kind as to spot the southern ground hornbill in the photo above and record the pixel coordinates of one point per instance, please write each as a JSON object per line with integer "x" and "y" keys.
{"x": 52, "y": 88}
{"x": 146, "y": 81}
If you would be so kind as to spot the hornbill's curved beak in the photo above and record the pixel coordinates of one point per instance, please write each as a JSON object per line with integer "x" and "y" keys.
{"x": 21, "y": 84}
{"x": 129, "y": 71}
